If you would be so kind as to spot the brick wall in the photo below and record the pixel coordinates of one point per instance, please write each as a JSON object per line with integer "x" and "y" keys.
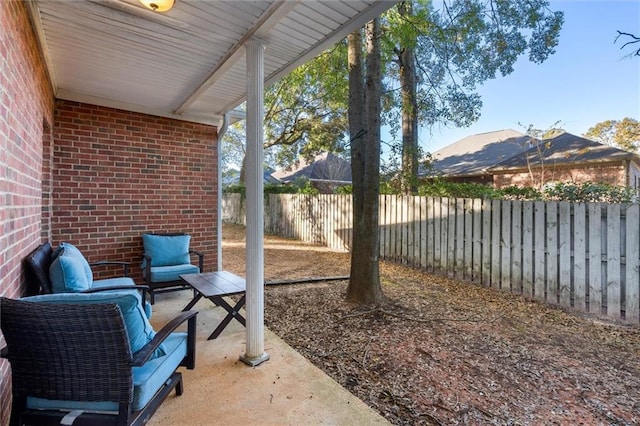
{"x": 610, "y": 173}
{"x": 26, "y": 110}
{"x": 117, "y": 174}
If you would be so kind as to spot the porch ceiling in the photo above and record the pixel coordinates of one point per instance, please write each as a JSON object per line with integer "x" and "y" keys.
{"x": 189, "y": 62}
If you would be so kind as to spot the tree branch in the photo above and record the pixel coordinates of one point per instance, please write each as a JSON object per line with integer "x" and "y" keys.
{"x": 634, "y": 39}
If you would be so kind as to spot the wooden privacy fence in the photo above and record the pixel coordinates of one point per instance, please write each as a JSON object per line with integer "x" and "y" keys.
{"x": 581, "y": 256}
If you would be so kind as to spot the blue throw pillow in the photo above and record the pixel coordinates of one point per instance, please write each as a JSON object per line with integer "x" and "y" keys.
{"x": 69, "y": 271}
{"x": 139, "y": 329}
{"x": 167, "y": 250}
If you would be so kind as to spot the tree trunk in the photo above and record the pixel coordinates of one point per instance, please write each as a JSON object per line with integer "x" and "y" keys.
{"x": 408, "y": 86}
{"x": 243, "y": 171}
{"x": 364, "y": 282}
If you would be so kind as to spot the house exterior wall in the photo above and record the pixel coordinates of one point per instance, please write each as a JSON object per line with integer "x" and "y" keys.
{"x": 26, "y": 112}
{"x": 609, "y": 173}
{"x": 634, "y": 176}
{"x": 118, "y": 174}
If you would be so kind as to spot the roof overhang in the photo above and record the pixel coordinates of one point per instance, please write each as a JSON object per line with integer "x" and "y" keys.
{"x": 188, "y": 63}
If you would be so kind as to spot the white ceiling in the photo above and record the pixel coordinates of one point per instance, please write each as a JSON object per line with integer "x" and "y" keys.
{"x": 187, "y": 63}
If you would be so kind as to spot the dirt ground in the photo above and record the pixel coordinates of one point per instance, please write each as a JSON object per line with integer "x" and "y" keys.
{"x": 443, "y": 352}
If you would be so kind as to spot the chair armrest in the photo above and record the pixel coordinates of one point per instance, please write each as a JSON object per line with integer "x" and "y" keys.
{"x": 142, "y": 288}
{"x": 200, "y": 259}
{"x": 143, "y": 355}
{"x": 146, "y": 271}
{"x": 125, "y": 265}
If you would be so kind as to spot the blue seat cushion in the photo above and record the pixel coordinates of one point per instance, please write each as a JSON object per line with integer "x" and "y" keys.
{"x": 167, "y": 250}
{"x": 139, "y": 330}
{"x": 161, "y": 274}
{"x": 123, "y": 281}
{"x": 69, "y": 271}
{"x": 147, "y": 379}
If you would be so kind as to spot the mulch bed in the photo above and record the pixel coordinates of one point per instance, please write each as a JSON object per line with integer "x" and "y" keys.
{"x": 438, "y": 351}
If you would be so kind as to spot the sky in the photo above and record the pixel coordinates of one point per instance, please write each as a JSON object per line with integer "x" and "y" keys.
{"x": 587, "y": 80}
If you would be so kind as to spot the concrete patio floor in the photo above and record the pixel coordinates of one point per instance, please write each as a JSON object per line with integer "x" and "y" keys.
{"x": 286, "y": 390}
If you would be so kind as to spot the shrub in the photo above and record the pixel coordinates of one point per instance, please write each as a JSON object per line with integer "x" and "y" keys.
{"x": 518, "y": 193}
{"x": 441, "y": 188}
{"x": 279, "y": 188}
{"x": 236, "y": 188}
{"x": 344, "y": 190}
{"x": 589, "y": 192}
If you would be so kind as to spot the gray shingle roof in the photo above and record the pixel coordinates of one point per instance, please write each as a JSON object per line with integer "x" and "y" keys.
{"x": 325, "y": 166}
{"x": 474, "y": 154}
{"x": 565, "y": 149}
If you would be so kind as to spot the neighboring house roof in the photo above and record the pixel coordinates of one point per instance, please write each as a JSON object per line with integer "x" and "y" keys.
{"x": 324, "y": 167}
{"x": 472, "y": 155}
{"x": 565, "y": 149}
{"x": 233, "y": 177}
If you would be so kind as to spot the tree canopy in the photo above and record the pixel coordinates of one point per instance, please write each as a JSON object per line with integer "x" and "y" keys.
{"x": 433, "y": 59}
{"x": 624, "y": 134}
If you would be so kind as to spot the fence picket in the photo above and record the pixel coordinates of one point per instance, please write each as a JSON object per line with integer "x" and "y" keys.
{"x": 579, "y": 257}
{"x": 468, "y": 242}
{"x": 423, "y": 214}
{"x": 595, "y": 258}
{"x": 486, "y": 242}
{"x": 564, "y": 254}
{"x": 527, "y": 249}
{"x": 505, "y": 246}
{"x": 516, "y": 247}
{"x": 632, "y": 270}
{"x": 394, "y": 234}
{"x": 416, "y": 220}
{"x": 387, "y": 227}
{"x": 403, "y": 228}
{"x": 552, "y": 252}
{"x": 430, "y": 233}
{"x": 458, "y": 266}
{"x": 477, "y": 241}
{"x": 495, "y": 243}
{"x": 437, "y": 234}
{"x": 539, "y": 251}
{"x": 613, "y": 261}
{"x": 446, "y": 235}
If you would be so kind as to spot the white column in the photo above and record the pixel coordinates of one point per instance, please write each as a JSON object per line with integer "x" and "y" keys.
{"x": 255, "y": 353}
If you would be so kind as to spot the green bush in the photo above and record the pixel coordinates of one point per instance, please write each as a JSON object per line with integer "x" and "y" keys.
{"x": 236, "y": 188}
{"x": 298, "y": 187}
{"x": 585, "y": 192}
{"x": 518, "y": 193}
{"x": 279, "y": 188}
{"x": 441, "y": 188}
{"x": 344, "y": 190}
{"x": 589, "y": 192}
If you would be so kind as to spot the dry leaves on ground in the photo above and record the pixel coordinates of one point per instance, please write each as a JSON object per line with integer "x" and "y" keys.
{"x": 443, "y": 352}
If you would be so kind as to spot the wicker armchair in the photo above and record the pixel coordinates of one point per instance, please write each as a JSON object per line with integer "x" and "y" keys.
{"x": 66, "y": 357}
{"x": 166, "y": 256}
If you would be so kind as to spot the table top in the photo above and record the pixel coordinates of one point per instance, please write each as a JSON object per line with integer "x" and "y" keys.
{"x": 219, "y": 283}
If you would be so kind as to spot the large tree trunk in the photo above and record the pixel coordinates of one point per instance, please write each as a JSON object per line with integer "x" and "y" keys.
{"x": 243, "y": 171}
{"x": 408, "y": 86}
{"x": 364, "y": 283}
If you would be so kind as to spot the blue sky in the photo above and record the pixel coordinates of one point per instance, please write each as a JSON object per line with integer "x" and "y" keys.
{"x": 586, "y": 81}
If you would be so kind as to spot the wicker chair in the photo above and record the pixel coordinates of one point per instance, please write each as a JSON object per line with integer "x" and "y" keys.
{"x": 67, "y": 357}
{"x": 166, "y": 256}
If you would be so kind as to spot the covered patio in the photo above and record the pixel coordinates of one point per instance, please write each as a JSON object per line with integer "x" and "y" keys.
{"x": 286, "y": 390}
{"x": 110, "y": 116}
